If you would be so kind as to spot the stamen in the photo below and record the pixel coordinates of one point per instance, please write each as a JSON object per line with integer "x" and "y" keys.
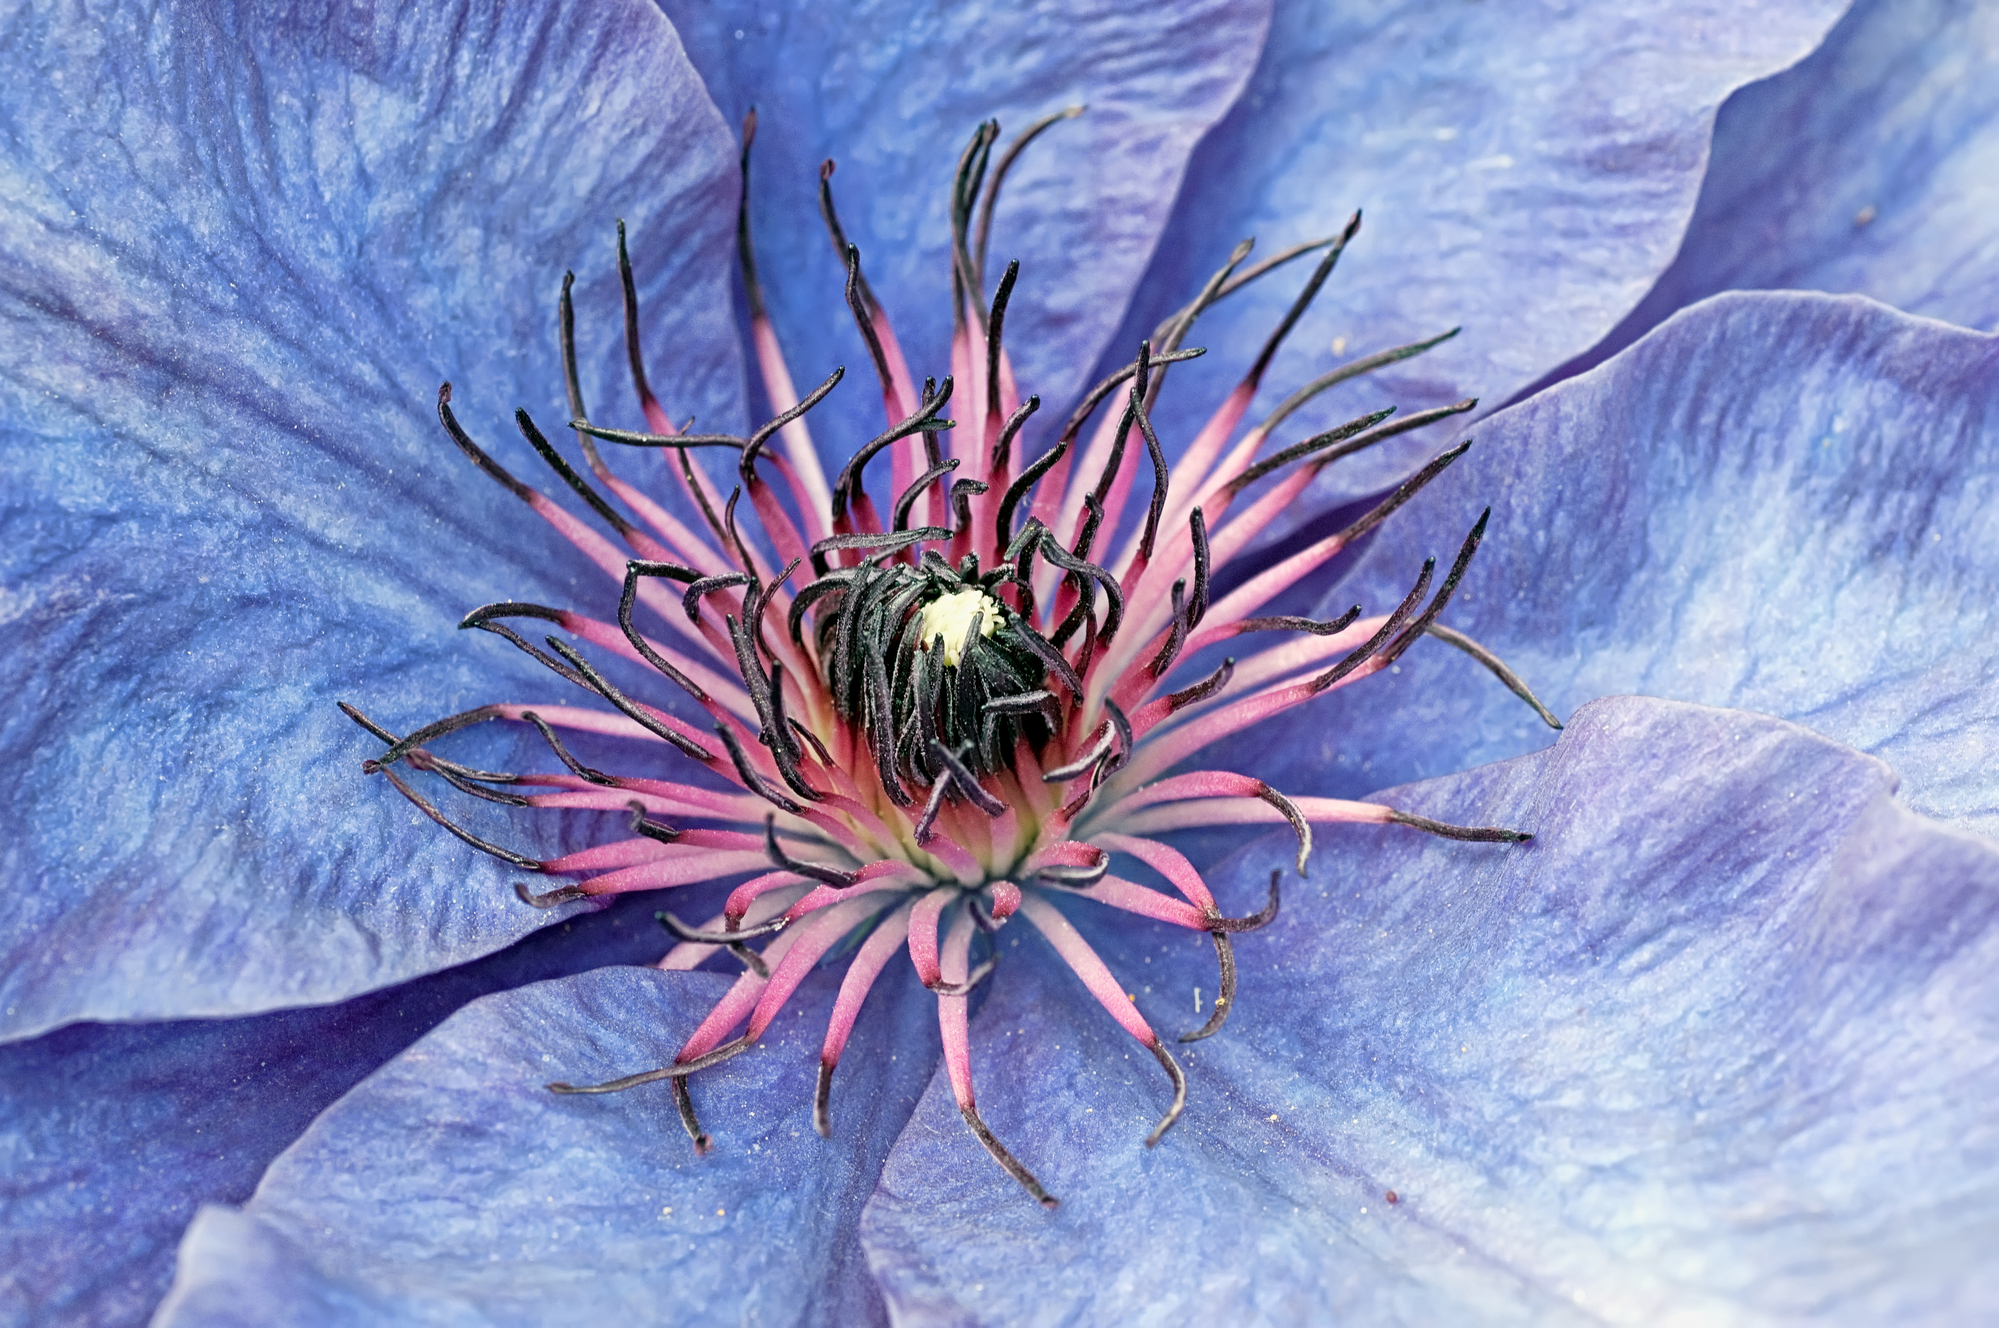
{"x": 423, "y": 805}
{"x": 708, "y": 585}
{"x": 968, "y": 783}
{"x": 1173, "y": 1072}
{"x": 732, "y": 941}
{"x": 483, "y": 619}
{"x": 1365, "y": 365}
{"x": 576, "y": 767}
{"x": 899, "y": 516}
{"x": 678, "y": 441}
{"x": 1303, "y": 302}
{"x": 1313, "y": 444}
{"x": 1202, "y": 690}
{"x": 683, "y": 1101}
{"x": 1330, "y": 627}
{"x": 995, "y": 322}
{"x": 654, "y": 830}
{"x": 1000, "y": 169}
{"x": 726, "y": 1051}
{"x": 550, "y": 899}
{"x": 1263, "y": 917}
{"x": 631, "y": 709}
{"x": 1474, "y": 834}
{"x": 647, "y": 401}
{"x": 753, "y": 781}
{"x": 1007, "y": 1161}
{"x": 1513, "y": 681}
{"x": 837, "y": 877}
{"x": 631, "y": 534}
{"x": 1225, "y": 1002}
{"x": 669, "y": 571}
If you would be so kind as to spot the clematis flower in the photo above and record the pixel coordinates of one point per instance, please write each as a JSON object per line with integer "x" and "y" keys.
{"x": 1714, "y": 1043}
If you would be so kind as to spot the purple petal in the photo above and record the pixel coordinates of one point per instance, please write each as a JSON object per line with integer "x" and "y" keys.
{"x": 1776, "y": 502}
{"x": 1715, "y": 1046}
{"x": 452, "y": 1185}
{"x": 892, "y": 90}
{"x": 241, "y": 253}
{"x": 1523, "y": 175}
{"x": 111, "y": 1136}
{"x": 1866, "y": 170}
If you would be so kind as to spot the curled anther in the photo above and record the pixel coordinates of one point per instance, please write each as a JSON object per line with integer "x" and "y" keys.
{"x": 1074, "y": 877}
{"x": 567, "y": 894}
{"x": 837, "y": 877}
{"x": 971, "y": 982}
{"x": 641, "y": 824}
{"x": 1289, "y": 809}
{"x": 679, "y": 1071}
{"x": 1263, "y": 917}
{"x": 733, "y": 940}
{"x": 1225, "y": 1002}
{"x": 1084, "y": 764}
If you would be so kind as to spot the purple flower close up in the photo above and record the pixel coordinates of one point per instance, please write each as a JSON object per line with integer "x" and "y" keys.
{"x": 1714, "y": 1045}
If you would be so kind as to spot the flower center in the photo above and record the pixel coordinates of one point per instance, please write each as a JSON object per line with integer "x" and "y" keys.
{"x": 954, "y": 618}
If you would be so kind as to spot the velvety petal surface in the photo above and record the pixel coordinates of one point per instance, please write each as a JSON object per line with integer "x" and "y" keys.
{"x": 1779, "y": 502}
{"x": 242, "y": 246}
{"x": 1525, "y": 172}
{"x": 1867, "y": 169}
{"x": 111, "y": 1136}
{"x": 892, "y": 90}
{"x": 1714, "y": 1048}
{"x": 452, "y": 1187}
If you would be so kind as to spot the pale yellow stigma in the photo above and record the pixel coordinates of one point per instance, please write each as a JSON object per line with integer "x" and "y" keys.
{"x": 951, "y": 618}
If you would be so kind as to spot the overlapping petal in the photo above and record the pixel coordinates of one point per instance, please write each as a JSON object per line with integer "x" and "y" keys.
{"x": 242, "y": 247}
{"x": 1714, "y": 1048}
{"x": 1525, "y": 174}
{"x": 1864, "y": 170}
{"x": 891, "y": 90}
{"x": 453, "y": 1187}
{"x": 1778, "y": 502}
{"x": 111, "y": 1136}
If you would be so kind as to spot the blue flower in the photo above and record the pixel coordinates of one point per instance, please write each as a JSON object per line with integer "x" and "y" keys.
{"x": 1716, "y": 1044}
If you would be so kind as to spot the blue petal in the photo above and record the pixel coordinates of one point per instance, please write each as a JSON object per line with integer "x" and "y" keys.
{"x": 1525, "y": 178}
{"x": 111, "y": 1136}
{"x": 1715, "y": 1047}
{"x": 1865, "y": 170}
{"x": 452, "y": 1186}
{"x": 242, "y": 251}
{"x": 892, "y": 90}
{"x": 1778, "y": 502}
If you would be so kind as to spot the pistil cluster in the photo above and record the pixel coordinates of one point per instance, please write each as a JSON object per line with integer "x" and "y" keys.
{"x": 921, "y": 717}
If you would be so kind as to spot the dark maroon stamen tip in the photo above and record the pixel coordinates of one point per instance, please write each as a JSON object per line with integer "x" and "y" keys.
{"x": 1007, "y": 1161}
{"x": 424, "y": 805}
{"x": 683, "y": 1102}
{"x": 680, "y": 1070}
{"x": 731, "y": 940}
{"x": 1514, "y": 683}
{"x": 1225, "y": 1002}
{"x": 1263, "y": 917}
{"x": 549, "y": 899}
{"x": 1477, "y": 834}
{"x": 1179, "y": 1078}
